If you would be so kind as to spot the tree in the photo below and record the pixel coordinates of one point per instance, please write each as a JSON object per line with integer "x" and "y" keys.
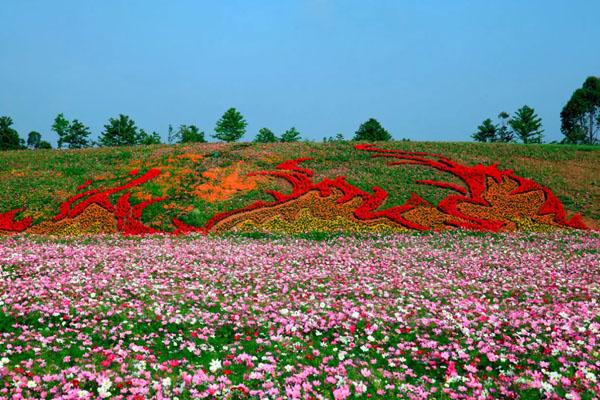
{"x": 265, "y": 135}
{"x": 504, "y": 134}
{"x": 44, "y": 145}
{"x": 339, "y": 137}
{"x": 120, "y": 131}
{"x": 231, "y": 127}
{"x": 291, "y": 135}
{"x": 580, "y": 117}
{"x": 145, "y": 138}
{"x": 72, "y": 134}
{"x": 77, "y": 136}
{"x": 9, "y": 138}
{"x": 61, "y": 127}
{"x": 527, "y": 125}
{"x": 372, "y": 131}
{"x": 172, "y": 135}
{"x": 190, "y": 134}
{"x": 486, "y": 132}
{"x": 33, "y": 140}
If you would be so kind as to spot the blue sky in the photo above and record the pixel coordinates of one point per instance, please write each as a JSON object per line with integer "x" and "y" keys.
{"x": 428, "y": 70}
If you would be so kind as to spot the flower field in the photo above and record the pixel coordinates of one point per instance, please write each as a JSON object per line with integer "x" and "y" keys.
{"x": 163, "y": 197}
{"x": 445, "y": 315}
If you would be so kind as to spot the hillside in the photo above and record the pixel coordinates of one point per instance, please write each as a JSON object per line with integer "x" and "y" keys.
{"x": 196, "y": 182}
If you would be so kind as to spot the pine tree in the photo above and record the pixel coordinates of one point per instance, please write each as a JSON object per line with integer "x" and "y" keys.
{"x": 231, "y": 127}
{"x": 527, "y": 125}
{"x": 486, "y": 132}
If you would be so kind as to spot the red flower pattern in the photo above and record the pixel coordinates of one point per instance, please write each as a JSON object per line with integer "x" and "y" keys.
{"x": 371, "y": 205}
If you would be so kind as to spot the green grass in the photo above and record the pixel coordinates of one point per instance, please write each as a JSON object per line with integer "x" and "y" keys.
{"x": 42, "y": 179}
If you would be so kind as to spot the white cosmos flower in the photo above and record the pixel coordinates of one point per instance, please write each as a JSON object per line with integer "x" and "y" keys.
{"x": 215, "y": 365}
{"x": 103, "y": 389}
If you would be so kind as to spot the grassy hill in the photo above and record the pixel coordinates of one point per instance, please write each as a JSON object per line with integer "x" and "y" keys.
{"x": 203, "y": 179}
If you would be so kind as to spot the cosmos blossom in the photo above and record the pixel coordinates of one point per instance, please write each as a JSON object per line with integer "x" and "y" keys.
{"x": 451, "y": 315}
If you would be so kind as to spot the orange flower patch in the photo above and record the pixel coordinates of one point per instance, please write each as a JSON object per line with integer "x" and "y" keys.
{"x": 224, "y": 183}
{"x": 195, "y": 158}
{"x": 103, "y": 177}
{"x": 178, "y": 207}
{"x": 143, "y": 196}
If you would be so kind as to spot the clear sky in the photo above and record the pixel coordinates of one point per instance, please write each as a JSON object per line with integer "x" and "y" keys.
{"x": 427, "y": 70}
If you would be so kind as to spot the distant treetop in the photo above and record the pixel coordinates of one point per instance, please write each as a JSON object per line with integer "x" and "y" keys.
{"x": 291, "y": 135}
{"x": 372, "y": 131}
{"x": 265, "y": 135}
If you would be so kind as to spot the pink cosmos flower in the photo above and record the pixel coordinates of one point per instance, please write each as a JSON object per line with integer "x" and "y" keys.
{"x": 341, "y": 393}
{"x": 451, "y": 371}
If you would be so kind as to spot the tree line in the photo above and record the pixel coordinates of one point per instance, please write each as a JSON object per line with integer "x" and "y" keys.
{"x": 580, "y": 123}
{"x": 123, "y": 131}
{"x": 580, "y": 120}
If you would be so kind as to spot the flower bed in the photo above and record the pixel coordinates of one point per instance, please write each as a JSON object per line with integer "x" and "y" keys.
{"x": 486, "y": 199}
{"x": 447, "y": 315}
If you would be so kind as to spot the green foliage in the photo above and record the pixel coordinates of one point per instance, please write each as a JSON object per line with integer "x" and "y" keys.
{"x": 486, "y": 132}
{"x": 291, "y": 135}
{"x": 527, "y": 125}
{"x": 44, "y": 145}
{"x": 146, "y": 138}
{"x": 9, "y": 138}
{"x": 231, "y": 127}
{"x": 77, "y": 137}
{"x": 33, "y": 139}
{"x": 265, "y": 135}
{"x": 172, "y": 135}
{"x": 580, "y": 117}
{"x": 61, "y": 127}
{"x": 190, "y": 134}
{"x": 120, "y": 131}
{"x": 372, "y": 131}
{"x": 72, "y": 134}
{"x": 337, "y": 138}
{"x": 504, "y": 134}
